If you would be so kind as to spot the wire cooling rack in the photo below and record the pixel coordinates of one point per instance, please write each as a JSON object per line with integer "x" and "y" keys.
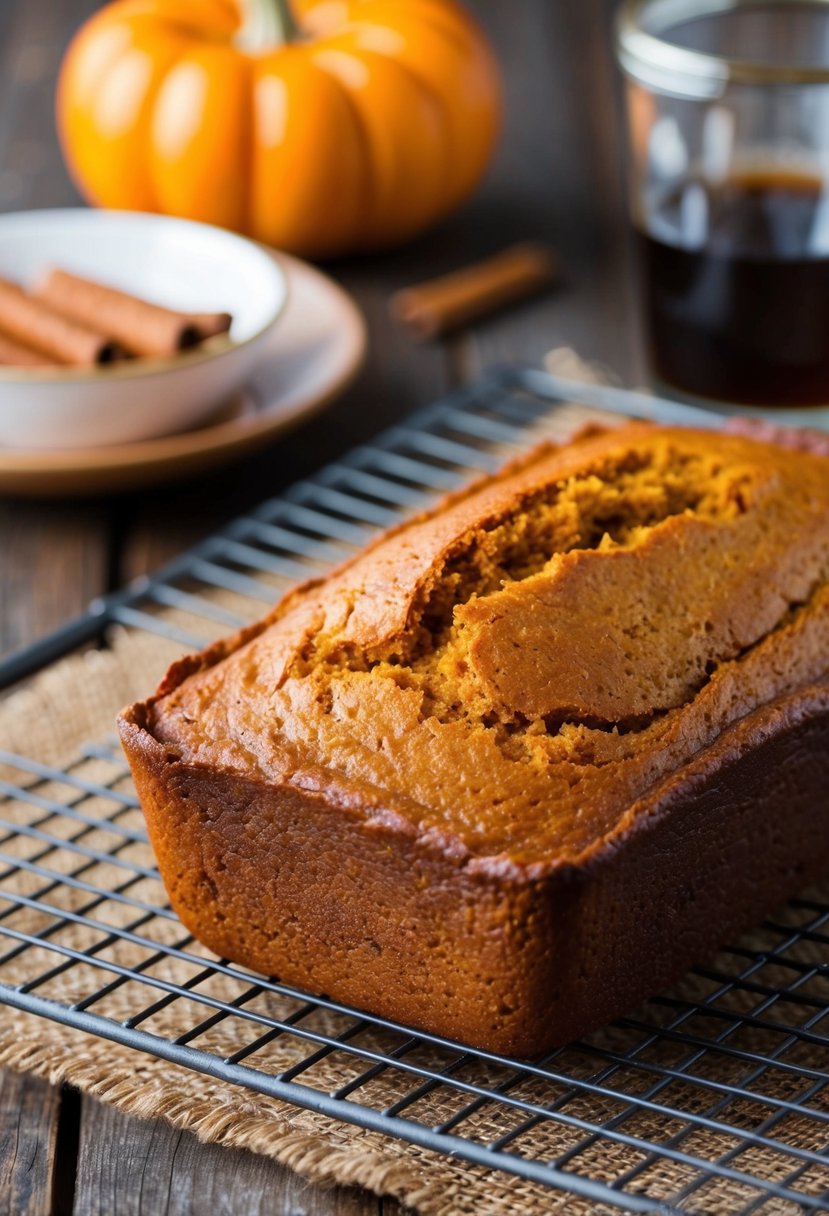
{"x": 711, "y": 1099}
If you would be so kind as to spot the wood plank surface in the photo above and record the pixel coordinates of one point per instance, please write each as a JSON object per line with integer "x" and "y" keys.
{"x": 53, "y": 563}
{"x": 33, "y": 36}
{"x": 559, "y": 179}
{"x": 139, "y": 1167}
{"x": 29, "y": 1110}
{"x": 556, "y": 178}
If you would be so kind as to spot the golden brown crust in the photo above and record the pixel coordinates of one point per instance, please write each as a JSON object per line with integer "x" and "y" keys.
{"x": 427, "y": 784}
{"x": 338, "y": 898}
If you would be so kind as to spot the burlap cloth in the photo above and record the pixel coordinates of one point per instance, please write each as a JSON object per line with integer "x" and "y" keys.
{"x": 75, "y": 701}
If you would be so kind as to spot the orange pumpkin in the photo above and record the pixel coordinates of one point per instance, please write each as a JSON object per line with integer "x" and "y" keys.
{"x": 332, "y": 126}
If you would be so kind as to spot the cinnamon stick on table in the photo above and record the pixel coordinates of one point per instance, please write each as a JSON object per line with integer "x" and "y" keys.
{"x": 444, "y": 304}
{"x": 34, "y": 324}
{"x": 140, "y": 327}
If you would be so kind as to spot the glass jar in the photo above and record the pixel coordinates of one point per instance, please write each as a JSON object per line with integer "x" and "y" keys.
{"x": 728, "y": 120}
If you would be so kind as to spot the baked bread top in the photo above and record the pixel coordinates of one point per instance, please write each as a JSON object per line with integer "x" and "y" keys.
{"x": 511, "y": 672}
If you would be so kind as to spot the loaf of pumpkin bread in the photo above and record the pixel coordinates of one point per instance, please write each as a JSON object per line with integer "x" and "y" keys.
{"x": 526, "y": 758}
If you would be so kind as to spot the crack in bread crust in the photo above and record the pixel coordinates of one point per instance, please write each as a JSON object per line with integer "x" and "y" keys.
{"x": 504, "y": 631}
{"x": 559, "y": 638}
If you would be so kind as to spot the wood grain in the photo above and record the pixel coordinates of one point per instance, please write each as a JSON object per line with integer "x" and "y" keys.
{"x": 139, "y": 1167}
{"x": 559, "y": 179}
{"x": 53, "y": 563}
{"x": 28, "y": 1134}
{"x": 35, "y": 35}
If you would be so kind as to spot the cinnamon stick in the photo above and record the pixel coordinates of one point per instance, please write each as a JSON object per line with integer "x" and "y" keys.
{"x": 453, "y": 300}
{"x": 140, "y": 327}
{"x": 15, "y": 354}
{"x": 34, "y": 324}
{"x": 210, "y": 324}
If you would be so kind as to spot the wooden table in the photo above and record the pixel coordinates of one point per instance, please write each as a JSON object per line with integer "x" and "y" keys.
{"x": 557, "y": 177}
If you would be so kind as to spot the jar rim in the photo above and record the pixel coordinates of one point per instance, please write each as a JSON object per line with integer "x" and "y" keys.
{"x": 665, "y": 66}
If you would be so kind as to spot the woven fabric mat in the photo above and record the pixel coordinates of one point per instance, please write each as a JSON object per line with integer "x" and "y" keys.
{"x": 75, "y": 701}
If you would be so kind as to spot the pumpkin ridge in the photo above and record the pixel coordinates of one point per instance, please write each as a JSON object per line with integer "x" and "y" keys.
{"x": 365, "y": 143}
{"x": 153, "y": 98}
{"x": 147, "y": 106}
{"x": 362, "y": 129}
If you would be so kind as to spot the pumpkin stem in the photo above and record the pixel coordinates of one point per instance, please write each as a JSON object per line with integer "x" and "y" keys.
{"x": 267, "y": 23}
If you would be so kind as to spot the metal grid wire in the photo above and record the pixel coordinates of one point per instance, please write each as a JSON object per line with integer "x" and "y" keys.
{"x": 716, "y": 1094}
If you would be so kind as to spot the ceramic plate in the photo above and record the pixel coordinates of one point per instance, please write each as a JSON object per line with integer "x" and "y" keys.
{"x": 312, "y": 354}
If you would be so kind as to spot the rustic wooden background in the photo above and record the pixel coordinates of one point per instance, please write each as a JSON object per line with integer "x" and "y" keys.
{"x": 557, "y": 177}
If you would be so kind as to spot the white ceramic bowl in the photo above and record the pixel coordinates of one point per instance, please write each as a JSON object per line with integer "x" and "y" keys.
{"x": 186, "y": 266}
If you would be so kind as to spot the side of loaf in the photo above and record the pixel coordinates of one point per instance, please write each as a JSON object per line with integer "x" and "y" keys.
{"x": 520, "y": 763}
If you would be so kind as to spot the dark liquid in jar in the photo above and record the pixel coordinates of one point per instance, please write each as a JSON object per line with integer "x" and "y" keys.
{"x": 736, "y": 281}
